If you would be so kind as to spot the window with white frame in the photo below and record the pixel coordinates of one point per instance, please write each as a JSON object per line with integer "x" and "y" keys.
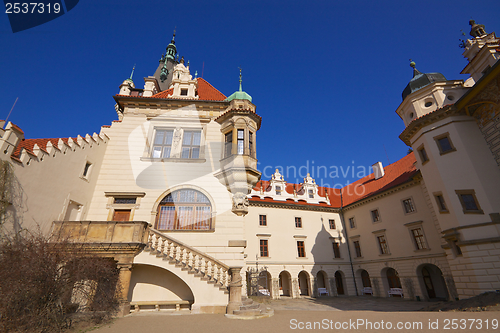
{"x": 162, "y": 145}
{"x": 408, "y": 206}
{"x": 382, "y": 243}
{"x": 418, "y": 238}
{"x": 166, "y": 139}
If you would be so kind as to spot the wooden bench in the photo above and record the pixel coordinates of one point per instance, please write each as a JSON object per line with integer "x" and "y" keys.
{"x": 367, "y": 291}
{"x": 395, "y": 291}
{"x": 323, "y": 291}
{"x": 158, "y": 304}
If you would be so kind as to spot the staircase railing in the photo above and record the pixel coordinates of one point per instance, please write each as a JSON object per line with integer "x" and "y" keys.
{"x": 195, "y": 261}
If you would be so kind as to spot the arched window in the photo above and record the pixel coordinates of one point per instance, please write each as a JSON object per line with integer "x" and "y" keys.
{"x": 184, "y": 209}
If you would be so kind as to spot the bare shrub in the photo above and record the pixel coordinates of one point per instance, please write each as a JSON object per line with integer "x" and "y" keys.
{"x": 45, "y": 286}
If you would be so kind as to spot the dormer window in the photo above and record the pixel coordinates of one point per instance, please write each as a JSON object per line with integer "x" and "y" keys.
{"x": 184, "y": 92}
{"x": 278, "y": 190}
{"x": 311, "y": 194}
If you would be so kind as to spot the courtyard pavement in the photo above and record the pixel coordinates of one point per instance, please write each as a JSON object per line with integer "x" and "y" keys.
{"x": 335, "y": 314}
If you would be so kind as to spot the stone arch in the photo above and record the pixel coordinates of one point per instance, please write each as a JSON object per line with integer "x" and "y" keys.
{"x": 304, "y": 283}
{"x": 265, "y": 283}
{"x": 432, "y": 282}
{"x": 154, "y": 211}
{"x": 285, "y": 283}
{"x": 390, "y": 278}
{"x": 340, "y": 283}
{"x": 154, "y": 283}
{"x": 322, "y": 279}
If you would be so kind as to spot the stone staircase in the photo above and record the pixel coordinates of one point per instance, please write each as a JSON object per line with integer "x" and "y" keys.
{"x": 189, "y": 259}
{"x": 251, "y": 310}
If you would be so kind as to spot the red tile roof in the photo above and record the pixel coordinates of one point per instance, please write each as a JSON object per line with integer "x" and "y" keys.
{"x": 333, "y": 194}
{"x": 28, "y": 145}
{"x": 395, "y": 174}
{"x": 206, "y": 92}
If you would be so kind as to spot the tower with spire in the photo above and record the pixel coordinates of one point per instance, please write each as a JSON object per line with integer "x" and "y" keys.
{"x": 164, "y": 72}
{"x": 239, "y": 125}
{"x": 481, "y": 51}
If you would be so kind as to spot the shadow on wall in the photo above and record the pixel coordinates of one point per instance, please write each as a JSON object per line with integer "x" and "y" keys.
{"x": 151, "y": 283}
{"x": 324, "y": 250}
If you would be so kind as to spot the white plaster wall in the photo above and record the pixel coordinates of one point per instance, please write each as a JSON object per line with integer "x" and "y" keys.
{"x": 127, "y": 168}
{"x": 49, "y": 184}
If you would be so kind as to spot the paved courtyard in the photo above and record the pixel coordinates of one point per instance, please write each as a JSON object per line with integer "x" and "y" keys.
{"x": 335, "y": 314}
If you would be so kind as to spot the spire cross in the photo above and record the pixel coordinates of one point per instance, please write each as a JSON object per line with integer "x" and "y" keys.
{"x": 240, "y": 78}
{"x": 132, "y": 74}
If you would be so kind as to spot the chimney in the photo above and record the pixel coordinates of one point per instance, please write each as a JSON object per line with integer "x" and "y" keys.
{"x": 378, "y": 170}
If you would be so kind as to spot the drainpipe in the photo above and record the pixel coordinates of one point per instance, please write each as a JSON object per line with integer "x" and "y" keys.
{"x": 342, "y": 221}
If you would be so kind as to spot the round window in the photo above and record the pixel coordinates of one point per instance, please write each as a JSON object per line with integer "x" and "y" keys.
{"x": 450, "y": 97}
{"x": 411, "y": 115}
{"x": 428, "y": 104}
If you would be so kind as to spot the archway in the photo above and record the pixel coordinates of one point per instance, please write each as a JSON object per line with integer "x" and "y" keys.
{"x": 285, "y": 284}
{"x": 304, "y": 283}
{"x": 265, "y": 284}
{"x": 365, "y": 279}
{"x": 321, "y": 279}
{"x": 432, "y": 282}
{"x": 393, "y": 280}
{"x": 152, "y": 283}
{"x": 339, "y": 283}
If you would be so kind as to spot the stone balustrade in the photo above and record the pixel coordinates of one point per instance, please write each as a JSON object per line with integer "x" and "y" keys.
{"x": 205, "y": 266}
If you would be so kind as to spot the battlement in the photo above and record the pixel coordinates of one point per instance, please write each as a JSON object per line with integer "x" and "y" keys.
{"x": 26, "y": 151}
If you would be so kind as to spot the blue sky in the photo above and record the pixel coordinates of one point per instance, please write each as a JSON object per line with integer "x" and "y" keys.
{"x": 326, "y": 76}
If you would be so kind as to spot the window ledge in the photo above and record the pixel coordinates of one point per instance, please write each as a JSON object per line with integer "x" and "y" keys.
{"x": 303, "y": 258}
{"x": 338, "y": 258}
{"x": 422, "y": 250}
{"x": 384, "y": 254}
{"x": 444, "y": 212}
{"x": 85, "y": 179}
{"x": 186, "y": 230}
{"x": 447, "y": 152}
{"x": 473, "y": 212}
{"x": 174, "y": 160}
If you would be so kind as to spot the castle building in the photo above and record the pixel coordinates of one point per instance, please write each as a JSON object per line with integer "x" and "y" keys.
{"x": 171, "y": 192}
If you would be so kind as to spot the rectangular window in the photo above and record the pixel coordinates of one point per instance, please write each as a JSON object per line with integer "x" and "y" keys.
{"x": 162, "y": 145}
{"x": 332, "y": 224}
{"x": 469, "y": 202}
{"x": 375, "y": 215}
{"x": 264, "y": 249}
{"x": 336, "y": 249}
{"x": 423, "y": 155}
{"x": 263, "y": 220}
{"x": 444, "y": 144}
{"x": 298, "y": 222}
{"x": 382, "y": 244}
{"x": 250, "y": 143}
{"x": 301, "y": 249}
{"x": 441, "y": 203}
{"x": 418, "y": 237}
{"x": 184, "y": 92}
{"x": 352, "y": 224}
{"x": 191, "y": 144}
{"x": 357, "y": 248}
{"x": 408, "y": 206}
{"x": 278, "y": 190}
{"x": 241, "y": 141}
{"x": 125, "y": 201}
{"x": 311, "y": 194}
{"x": 228, "y": 144}
{"x": 86, "y": 170}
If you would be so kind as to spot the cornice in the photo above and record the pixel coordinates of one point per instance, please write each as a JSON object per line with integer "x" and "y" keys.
{"x": 430, "y": 118}
{"x": 285, "y": 205}
{"x": 417, "y": 178}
